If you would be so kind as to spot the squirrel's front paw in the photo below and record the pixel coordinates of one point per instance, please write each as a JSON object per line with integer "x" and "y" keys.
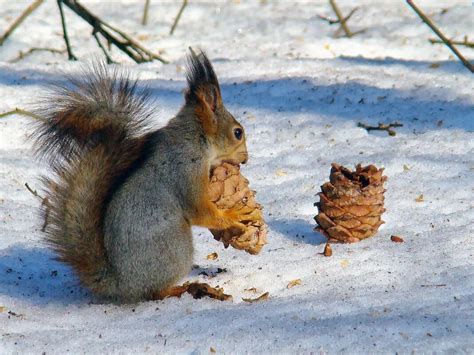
{"x": 248, "y": 215}
{"x": 244, "y": 215}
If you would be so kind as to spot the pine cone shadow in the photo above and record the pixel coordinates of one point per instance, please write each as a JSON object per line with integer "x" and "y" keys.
{"x": 297, "y": 230}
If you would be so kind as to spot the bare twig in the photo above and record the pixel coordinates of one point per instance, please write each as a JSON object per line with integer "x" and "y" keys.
{"x": 329, "y": 20}
{"x": 145, "y": 13}
{"x": 332, "y": 21}
{"x": 445, "y": 40}
{"x": 20, "y": 19}
{"x": 22, "y": 55}
{"x": 71, "y": 56}
{"x": 113, "y": 35}
{"x": 342, "y": 20}
{"x": 464, "y": 42}
{"x": 33, "y": 192}
{"x": 101, "y": 46}
{"x": 352, "y": 12}
{"x": 178, "y": 16}
{"x": 44, "y": 202}
{"x": 19, "y": 111}
{"x": 382, "y": 127}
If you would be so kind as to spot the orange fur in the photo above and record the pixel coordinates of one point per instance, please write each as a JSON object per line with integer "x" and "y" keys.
{"x": 205, "y": 114}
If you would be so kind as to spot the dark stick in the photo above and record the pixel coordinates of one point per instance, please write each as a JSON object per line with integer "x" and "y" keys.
{"x": 134, "y": 45}
{"x": 178, "y": 16}
{"x": 345, "y": 19}
{"x": 328, "y": 19}
{"x": 33, "y": 192}
{"x": 118, "y": 38}
{"x": 445, "y": 40}
{"x": 45, "y": 202}
{"x": 101, "y": 46}
{"x": 18, "y": 21}
{"x": 66, "y": 38}
{"x": 381, "y": 127}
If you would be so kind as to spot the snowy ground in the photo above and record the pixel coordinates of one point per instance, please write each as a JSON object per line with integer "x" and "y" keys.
{"x": 300, "y": 94}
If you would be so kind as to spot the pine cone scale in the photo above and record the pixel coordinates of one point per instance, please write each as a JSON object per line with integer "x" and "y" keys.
{"x": 228, "y": 189}
{"x": 351, "y": 203}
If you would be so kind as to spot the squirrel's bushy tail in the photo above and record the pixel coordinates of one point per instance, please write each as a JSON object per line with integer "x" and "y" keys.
{"x": 94, "y": 131}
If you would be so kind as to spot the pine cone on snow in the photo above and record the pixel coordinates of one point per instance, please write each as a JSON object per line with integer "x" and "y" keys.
{"x": 351, "y": 203}
{"x": 229, "y": 189}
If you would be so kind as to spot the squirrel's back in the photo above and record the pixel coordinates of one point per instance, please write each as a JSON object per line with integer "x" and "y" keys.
{"x": 94, "y": 132}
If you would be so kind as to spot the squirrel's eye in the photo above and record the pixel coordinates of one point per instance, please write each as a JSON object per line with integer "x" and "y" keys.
{"x": 238, "y": 133}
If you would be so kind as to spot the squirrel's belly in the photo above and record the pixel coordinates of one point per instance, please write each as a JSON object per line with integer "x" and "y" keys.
{"x": 147, "y": 251}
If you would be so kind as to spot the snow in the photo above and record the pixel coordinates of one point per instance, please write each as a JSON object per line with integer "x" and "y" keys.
{"x": 300, "y": 94}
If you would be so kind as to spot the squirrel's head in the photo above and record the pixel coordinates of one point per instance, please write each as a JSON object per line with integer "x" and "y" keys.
{"x": 224, "y": 133}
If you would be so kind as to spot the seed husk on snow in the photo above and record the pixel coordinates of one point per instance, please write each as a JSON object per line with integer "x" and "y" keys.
{"x": 396, "y": 239}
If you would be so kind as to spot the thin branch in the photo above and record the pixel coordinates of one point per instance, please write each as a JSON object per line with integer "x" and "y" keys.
{"x": 145, "y": 13}
{"x": 44, "y": 202}
{"x": 129, "y": 41}
{"x": 101, "y": 46}
{"x": 464, "y": 42}
{"x": 20, "y": 19}
{"x": 340, "y": 18}
{"x": 71, "y": 56}
{"x": 445, "y": 40}
{"x": 352, "y": 12}
{"x": 334, "y": 21}
{"x": 113, "y": 35}
{"x": 22, "y": 55}
{"x": 329, "y": 20}
{"x": 382, "y": 127}
{"x": 178, "y": 16}
{"x": 19, "y": 111}
{"x": 33, "y": 192}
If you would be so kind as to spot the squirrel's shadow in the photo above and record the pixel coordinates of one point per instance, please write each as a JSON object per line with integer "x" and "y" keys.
{"x": 296, "y": 230}
{"x": 32, "y": 274}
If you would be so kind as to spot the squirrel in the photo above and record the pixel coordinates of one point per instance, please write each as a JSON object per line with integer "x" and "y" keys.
{"x": 123, "y": 197}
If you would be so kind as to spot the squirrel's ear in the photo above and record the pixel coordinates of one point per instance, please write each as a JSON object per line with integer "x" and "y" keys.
{"x": 203, "y": 88}
{"x": 207, "y": 101}
{"x": 210, "y": 96}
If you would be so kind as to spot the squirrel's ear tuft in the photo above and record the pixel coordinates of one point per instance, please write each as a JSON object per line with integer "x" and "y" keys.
{"x": 203, "y": 86}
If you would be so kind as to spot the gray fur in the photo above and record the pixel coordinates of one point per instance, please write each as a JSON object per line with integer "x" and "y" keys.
{"x": 147, "y": 231}
{"x": 122, "y": 199}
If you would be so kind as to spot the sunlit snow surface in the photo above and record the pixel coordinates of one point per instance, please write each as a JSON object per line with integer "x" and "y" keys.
{"x": 300, "y": 94}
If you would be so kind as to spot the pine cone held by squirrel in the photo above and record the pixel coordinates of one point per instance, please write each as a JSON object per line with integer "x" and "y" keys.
{"x": 351, "y": 203}
{"x": 230, "y": 189}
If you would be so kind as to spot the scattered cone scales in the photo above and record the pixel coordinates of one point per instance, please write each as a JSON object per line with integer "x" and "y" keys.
{"x": 351, "y": 203}
{"x": 229, "y": 189}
